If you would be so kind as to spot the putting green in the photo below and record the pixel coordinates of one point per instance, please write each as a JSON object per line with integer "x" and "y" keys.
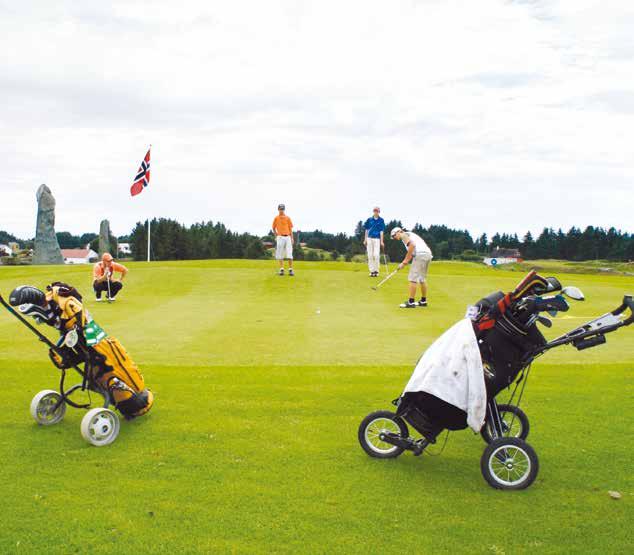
{"x": 260, "y": 384}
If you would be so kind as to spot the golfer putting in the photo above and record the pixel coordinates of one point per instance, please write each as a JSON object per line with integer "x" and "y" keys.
{"x": 420, "y": 255}
{"x": 373, "y": 240}
{"x": 103, "y": 280}
{"x": 283, "y": 230}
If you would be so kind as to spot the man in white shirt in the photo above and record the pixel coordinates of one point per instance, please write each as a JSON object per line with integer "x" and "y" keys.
{"x": 420, "y": 256}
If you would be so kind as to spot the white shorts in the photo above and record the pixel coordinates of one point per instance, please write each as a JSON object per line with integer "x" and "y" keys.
{"x": 418, "y": 268}
{"x": 283, "y": 248}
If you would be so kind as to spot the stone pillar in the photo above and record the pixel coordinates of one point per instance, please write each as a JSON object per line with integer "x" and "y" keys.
{"x": 46, "y": 250}
{"x": 104, "y": 237}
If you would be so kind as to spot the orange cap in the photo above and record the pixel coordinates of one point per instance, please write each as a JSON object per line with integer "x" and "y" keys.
{"x": 107, "y": 257}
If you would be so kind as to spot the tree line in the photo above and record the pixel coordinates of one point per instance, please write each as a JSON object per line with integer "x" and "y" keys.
{"x": 446, "y": 243}
{"x": 172, "y": 240}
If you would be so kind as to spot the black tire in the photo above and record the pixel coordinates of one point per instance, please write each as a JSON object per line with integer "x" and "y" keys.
{"x": 519, "y": 454}
{"x": 381, "y": 450}
{"x": 516, "y": 414}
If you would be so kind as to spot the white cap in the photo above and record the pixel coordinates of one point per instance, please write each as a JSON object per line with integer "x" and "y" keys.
{"x": 395, "y": 231}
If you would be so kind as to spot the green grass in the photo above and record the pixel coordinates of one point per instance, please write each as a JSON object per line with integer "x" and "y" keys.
{"x": 251, "y": 446}
{"x": 582, "y": 267}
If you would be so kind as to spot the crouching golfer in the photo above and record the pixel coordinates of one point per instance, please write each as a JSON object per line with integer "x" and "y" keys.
{"x": 373, "y": 241}
{"x": 420, "y": 256}
{"x": 283, "y": 230}
{"x": 103, "y": 277}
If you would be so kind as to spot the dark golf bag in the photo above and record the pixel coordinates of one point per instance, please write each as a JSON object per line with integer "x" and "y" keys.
{"x": 430, "y": 415}
{"x": 507, "y": 333}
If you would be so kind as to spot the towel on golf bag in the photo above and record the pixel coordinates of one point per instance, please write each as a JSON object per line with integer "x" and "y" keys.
{"x": 451, "y": 369}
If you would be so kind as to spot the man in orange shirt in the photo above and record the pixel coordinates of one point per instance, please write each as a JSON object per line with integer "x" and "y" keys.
{"x": 283, "y": 230}
{"x": 103, "y": 277}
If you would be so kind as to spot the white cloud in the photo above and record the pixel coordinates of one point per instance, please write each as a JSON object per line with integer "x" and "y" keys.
{"x": 485, "y": 115}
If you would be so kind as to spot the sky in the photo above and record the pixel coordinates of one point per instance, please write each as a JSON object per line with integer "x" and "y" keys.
{"x": 488, "y": 116}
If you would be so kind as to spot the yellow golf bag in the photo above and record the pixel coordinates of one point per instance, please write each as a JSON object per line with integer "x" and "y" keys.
{"x": 107, "y": 363}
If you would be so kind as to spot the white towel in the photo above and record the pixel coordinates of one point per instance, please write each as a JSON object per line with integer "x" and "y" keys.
{"x": 451, "y": 369}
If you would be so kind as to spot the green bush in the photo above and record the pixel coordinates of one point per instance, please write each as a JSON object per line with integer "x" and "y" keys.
{"x": 255, "y": 249}
{"x": 298, "y": 251}
{"x": 469, "y": 256}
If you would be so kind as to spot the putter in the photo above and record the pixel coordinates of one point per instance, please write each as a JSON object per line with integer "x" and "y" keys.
{"x": 389, "y": 276}
{"x": 108, "y": 280}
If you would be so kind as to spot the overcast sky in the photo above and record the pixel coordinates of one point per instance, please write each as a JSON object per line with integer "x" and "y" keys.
{"x": 490, "y": 115}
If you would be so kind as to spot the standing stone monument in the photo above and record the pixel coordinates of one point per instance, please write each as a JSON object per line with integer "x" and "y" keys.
{"x": 46, "y": 250}
{"x": 104, "y": 237}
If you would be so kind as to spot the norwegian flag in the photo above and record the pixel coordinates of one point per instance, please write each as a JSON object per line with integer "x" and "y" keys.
{"x": 142, "y": 178}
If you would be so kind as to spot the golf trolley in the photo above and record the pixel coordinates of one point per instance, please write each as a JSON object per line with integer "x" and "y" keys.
{"x": 100, "y": 425}
{"x": 509, "y": 341}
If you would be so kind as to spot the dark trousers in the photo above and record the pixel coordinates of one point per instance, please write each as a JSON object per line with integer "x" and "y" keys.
{"x": 102, "y": 286}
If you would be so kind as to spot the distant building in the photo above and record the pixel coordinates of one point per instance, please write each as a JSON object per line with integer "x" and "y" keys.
{"x": 5, "y": 250}
{"x": 505, "y": 253}
{"x": 15, "y": 247}
{"x": 79, "y": 256}
{"x": 503, "y": 256}
{"x": 124, "y": 249}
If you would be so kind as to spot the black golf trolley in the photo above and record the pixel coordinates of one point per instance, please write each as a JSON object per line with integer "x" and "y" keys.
{"x": 509, "y": 341}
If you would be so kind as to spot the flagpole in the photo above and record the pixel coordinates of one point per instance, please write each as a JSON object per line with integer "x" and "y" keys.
{"x": 148, "y": 239}
{"x": 148, "y": 225}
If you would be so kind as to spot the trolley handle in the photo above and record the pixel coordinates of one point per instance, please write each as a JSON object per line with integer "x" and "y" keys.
{"x": 628, "y": 304}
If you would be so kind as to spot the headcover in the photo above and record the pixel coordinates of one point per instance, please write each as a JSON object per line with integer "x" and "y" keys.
{"x": 30, "y": 301}
{"x": 27, "y": 294}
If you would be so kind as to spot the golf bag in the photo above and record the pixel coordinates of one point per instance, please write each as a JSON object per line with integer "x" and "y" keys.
{"x": 455, "y": 382}
{"x": 505, "y": 327}
{"x": 108, "y": 369}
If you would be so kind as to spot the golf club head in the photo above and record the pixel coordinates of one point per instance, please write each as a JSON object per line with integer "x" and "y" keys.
{"x": 573, "y": 292}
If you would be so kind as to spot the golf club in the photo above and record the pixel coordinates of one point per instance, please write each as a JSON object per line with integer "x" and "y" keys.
{"x": 108, "y": 280}
{"x": 389, "y": 276}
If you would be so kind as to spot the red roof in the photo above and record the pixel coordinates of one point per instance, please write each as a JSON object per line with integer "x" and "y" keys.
{"x": 75, "y": 253}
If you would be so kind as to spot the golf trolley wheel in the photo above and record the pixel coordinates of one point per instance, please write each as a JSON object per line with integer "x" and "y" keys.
{"x": 514, "y": 422}
{"x": 100, "y": 427}
{"x": 509, "y": 463}
{"x": 43, "y": 408}
{"x": 380, "y": 422}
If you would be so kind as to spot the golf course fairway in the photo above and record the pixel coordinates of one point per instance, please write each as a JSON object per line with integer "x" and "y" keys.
{"x": 260, "y": 384}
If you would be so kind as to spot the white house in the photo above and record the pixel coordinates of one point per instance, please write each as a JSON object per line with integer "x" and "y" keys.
{"x": 503, "y": 256}
{"x": 492, "y": 261}
{"x": 79, "y": 256}
{"x": 124, "y": 249}
{"x": 5, "y": 250}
